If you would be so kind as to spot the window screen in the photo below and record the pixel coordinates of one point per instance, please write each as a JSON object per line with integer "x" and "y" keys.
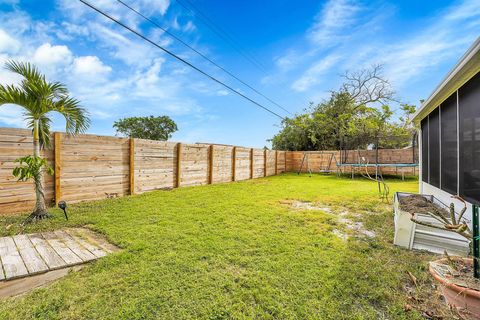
{"x": 469, "y": 114}
{"x": 448, "y": 129}
{"x": 434, "y": 148}
{"x": 424, "y": 125}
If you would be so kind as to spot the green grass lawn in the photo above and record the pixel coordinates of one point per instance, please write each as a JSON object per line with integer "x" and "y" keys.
{"x": 234, "y": 251}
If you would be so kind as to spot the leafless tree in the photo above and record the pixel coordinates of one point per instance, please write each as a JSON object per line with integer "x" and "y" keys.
{"x": 368, "y": 86}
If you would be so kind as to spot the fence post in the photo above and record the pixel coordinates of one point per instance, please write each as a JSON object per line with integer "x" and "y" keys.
{"x": 132, "y": 165}
{"x": 210, "y": 165}
{"x": 476, "y": 241}
{"x": 58, "y": 166}
{"x": 179, "y": 165}
{"x": 276, "y": 162}
{"x": 265, "y": 162}
{"x": 234, "y": 162}
{"x": 285, "y": 164}
{"x": 251, "y": 163}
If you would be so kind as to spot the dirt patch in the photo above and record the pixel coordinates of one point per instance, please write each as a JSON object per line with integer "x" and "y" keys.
{"x": 235, "y": 270}
{"x": 340, "y": 234}
{"x": 306, "y": 205}
{"x": 355, "y": 226}
{"x": 416, "y": 203}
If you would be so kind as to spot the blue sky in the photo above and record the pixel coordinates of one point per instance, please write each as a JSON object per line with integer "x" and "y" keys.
{"x": 301, "y": 46}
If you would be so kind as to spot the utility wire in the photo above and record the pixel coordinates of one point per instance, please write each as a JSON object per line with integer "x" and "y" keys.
{"x": 201, "y": 54}
{"x": 180, "y": 59}
{"x": 221, "y": 33}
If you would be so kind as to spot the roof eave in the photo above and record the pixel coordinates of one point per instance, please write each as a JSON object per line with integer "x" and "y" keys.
{"x": 467, "y": 67}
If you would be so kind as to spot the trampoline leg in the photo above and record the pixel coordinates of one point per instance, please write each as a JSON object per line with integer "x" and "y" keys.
{"x": 378, "y": 180}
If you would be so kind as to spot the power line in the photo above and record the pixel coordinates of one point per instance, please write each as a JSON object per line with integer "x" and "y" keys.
{"x": 180, "y": 59}
{"x": 201, "y": 54}
{"x": 222, "y": 34}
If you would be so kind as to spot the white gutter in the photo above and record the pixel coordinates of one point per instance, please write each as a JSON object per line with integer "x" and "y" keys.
{"x": 464, "y": 70}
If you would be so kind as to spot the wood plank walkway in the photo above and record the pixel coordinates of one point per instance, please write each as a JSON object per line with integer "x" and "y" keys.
{"x": 25, "y": 255}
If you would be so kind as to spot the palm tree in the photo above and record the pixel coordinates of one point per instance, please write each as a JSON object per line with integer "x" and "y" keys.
{"x": 39, "y": 98}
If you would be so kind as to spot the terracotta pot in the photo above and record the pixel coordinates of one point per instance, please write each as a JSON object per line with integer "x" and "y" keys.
{"x": 460, "y": 297}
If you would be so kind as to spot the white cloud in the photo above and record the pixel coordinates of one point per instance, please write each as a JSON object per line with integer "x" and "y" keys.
{"x": 464, "y": 10}
{"x": 77, "y": 11}
{"x": 440, "y": 40}
{"x": 150, "y": 85}
{"x": 159, "y": 6}
{"x": 12, "y": 115}
{"x": 222, "y": 93}
{"x": 52, "y": 56}
{"x": 287, "y": 61}
{"x": 69, "y": 31}
{"x": 8, "y": 44}
{"x": 337, "y": 21}
{"x": 313, "y": 74}
{"x": 189, "y": 26}
{"x": 175, "y": 24}
{"x": 90, "y": 66}
{"x": 335, "y": 16}
{"x": 131, "y": 51}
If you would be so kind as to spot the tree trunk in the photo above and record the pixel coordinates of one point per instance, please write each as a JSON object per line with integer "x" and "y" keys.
{"x": 40, "y": 210}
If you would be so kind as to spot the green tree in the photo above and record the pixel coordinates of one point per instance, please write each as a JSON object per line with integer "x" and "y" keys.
{"x": 40, "y": 98}
{"x": 152, "y": 128}
{"x": 356, "y": 116}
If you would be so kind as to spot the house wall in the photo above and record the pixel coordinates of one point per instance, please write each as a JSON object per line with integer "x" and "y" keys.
{"x": 467, "y": 128}
{"x": 467, "y": 152}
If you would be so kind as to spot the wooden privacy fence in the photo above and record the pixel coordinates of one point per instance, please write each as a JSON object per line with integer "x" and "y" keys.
{"x": 90, "y": 167}
{"x": 319, "y": 160}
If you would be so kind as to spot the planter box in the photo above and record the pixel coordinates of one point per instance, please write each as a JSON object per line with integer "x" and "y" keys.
{"x": 413, "y": 236}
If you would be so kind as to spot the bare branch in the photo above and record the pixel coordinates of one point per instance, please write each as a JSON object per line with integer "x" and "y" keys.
{"x": 368, "y": 86}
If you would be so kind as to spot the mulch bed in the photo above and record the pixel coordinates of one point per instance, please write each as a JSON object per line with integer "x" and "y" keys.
{"x": 416, "y": 203}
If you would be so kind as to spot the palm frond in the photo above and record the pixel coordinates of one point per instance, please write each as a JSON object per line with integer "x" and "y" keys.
{"x": 27, "y": 70}
{"x": 58, "y": 90}
{"x": 77, "y": 120}
{"x": 10, "y": 94}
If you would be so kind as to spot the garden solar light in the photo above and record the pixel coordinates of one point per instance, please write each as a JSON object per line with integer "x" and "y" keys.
{"x": 63, "y": 205}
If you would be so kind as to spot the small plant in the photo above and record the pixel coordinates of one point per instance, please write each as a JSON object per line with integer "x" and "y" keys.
{"x": 31, "y": 167}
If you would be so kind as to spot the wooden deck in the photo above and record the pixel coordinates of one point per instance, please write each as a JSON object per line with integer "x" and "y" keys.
{"x": 25, "y": 255}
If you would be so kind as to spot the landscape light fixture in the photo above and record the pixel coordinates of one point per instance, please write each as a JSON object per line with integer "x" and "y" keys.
{"x": 63, "y": 205}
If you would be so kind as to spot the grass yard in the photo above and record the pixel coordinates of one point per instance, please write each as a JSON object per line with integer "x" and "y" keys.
{"x": 235, "y": 251}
